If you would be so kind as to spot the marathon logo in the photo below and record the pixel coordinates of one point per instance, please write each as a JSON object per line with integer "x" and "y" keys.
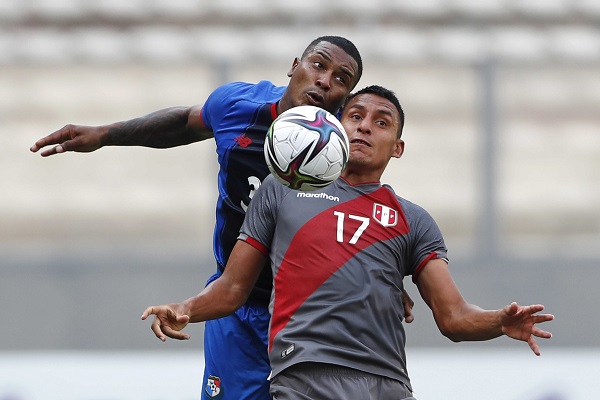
{"x": 324, "y": 196}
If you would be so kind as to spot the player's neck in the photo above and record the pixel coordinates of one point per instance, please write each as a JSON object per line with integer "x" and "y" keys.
{"x": 360, "y": 177}
{"x": 283, "y": 105}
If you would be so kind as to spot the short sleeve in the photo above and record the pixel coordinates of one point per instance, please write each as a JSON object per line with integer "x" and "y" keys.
{"x": 427, "y": 241}
{"x": 218, "y": 103}
{"x": 261, "y": 217}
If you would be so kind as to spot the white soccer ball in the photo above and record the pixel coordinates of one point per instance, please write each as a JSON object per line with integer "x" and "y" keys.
{"x": 306, "y": 148}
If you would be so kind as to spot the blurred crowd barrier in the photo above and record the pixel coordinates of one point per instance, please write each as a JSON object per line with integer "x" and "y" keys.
{"x": 546, "y": 152}
{"x": 435, "y": 374}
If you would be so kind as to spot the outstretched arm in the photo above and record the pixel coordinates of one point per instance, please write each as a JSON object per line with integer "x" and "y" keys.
{"x": 170, "y": 127}
{"x": 221, "y": 298}
{"x": 460, "y": 321}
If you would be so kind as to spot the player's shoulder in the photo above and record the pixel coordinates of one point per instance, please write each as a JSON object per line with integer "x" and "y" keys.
{"x": 239, "y": 99}
{"x": 274, "y": 189}
{"x": 262, "y": 91}
{"x": 409, "y": 207}
{"x": 270, "y": 183}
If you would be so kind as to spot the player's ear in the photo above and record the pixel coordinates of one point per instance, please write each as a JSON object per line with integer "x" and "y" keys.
{"x": 399, "y": 150}
{"x": 294, "y": 66}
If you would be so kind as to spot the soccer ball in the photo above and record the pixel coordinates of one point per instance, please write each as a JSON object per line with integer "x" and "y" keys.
{"x": 306, "y": 148}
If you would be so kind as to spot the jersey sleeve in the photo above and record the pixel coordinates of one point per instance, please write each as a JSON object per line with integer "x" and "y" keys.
{"x": 427, "y": 240}
{"x": 261, "y": 217}
{"x": 218, "y": 103}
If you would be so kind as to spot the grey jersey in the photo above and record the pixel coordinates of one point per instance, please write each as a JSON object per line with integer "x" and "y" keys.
{"x": 339, "y": 256}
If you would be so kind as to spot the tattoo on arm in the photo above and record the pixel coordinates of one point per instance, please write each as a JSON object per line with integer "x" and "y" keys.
{"x": 160, "y": 129}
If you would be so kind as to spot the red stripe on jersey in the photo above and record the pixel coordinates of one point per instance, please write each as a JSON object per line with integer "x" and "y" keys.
{"x": 315, "y": 254}
{"x": 257, "y": 245}
{"x": 274, "y": 110}
{"x": 422, "y": 265}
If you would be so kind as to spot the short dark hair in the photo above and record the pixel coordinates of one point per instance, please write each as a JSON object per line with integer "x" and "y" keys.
{"x": 342, "y": 43}
{"x": 386, "y": 94}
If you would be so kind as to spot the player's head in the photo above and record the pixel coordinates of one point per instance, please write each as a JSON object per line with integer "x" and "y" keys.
{"x": 324, "y": 76}
{"x": 380, "y": 91}
{"x": 344, "y": 44}
{"x": 373, "y": 119}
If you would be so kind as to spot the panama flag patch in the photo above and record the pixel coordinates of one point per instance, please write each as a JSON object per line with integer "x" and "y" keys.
{"x": 385, "y": 215}
{"x": 213, "y": 387}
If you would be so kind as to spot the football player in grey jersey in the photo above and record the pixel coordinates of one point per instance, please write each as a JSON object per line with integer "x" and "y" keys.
{"x": 338, "y": 266}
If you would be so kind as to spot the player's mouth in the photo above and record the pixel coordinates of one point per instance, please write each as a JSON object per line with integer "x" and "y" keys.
{"x": 360, "y": 142}
{"x": 315, "y": 99}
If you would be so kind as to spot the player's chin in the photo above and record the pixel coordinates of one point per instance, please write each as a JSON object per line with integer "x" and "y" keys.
{"x": 358, "y": 154}
{"x": 357, "y": 160}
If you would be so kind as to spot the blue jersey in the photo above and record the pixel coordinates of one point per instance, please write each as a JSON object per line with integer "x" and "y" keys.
{"x": 239, "y": 115}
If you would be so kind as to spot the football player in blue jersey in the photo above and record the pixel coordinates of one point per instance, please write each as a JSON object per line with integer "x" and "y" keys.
{"x": 237, "y": 115}
{"x": 339, "y": 263}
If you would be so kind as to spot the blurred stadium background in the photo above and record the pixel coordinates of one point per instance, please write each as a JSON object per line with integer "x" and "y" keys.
{"x": 503, "y": 148}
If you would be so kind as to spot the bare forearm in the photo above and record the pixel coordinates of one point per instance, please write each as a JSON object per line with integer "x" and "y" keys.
{"x": 231, "y": 290}
{"x": 471, "y": 323}
{"x": 217, "y": 300}
{"x": 461, "y": 321}
{"x": 161, "y": 129}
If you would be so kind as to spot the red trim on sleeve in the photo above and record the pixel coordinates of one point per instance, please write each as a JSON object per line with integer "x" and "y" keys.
{"x": 274, "y": 110}
{"x": 416, "y": 274}
{"x": 257, "y": 245}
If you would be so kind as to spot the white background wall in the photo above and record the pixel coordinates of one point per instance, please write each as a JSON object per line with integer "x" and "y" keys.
{"x": 440, "y": 374}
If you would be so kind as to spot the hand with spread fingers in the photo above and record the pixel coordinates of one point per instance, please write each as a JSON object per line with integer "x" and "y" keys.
{"x": 169, "y": 320}
{"x": 519, "y": 322}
